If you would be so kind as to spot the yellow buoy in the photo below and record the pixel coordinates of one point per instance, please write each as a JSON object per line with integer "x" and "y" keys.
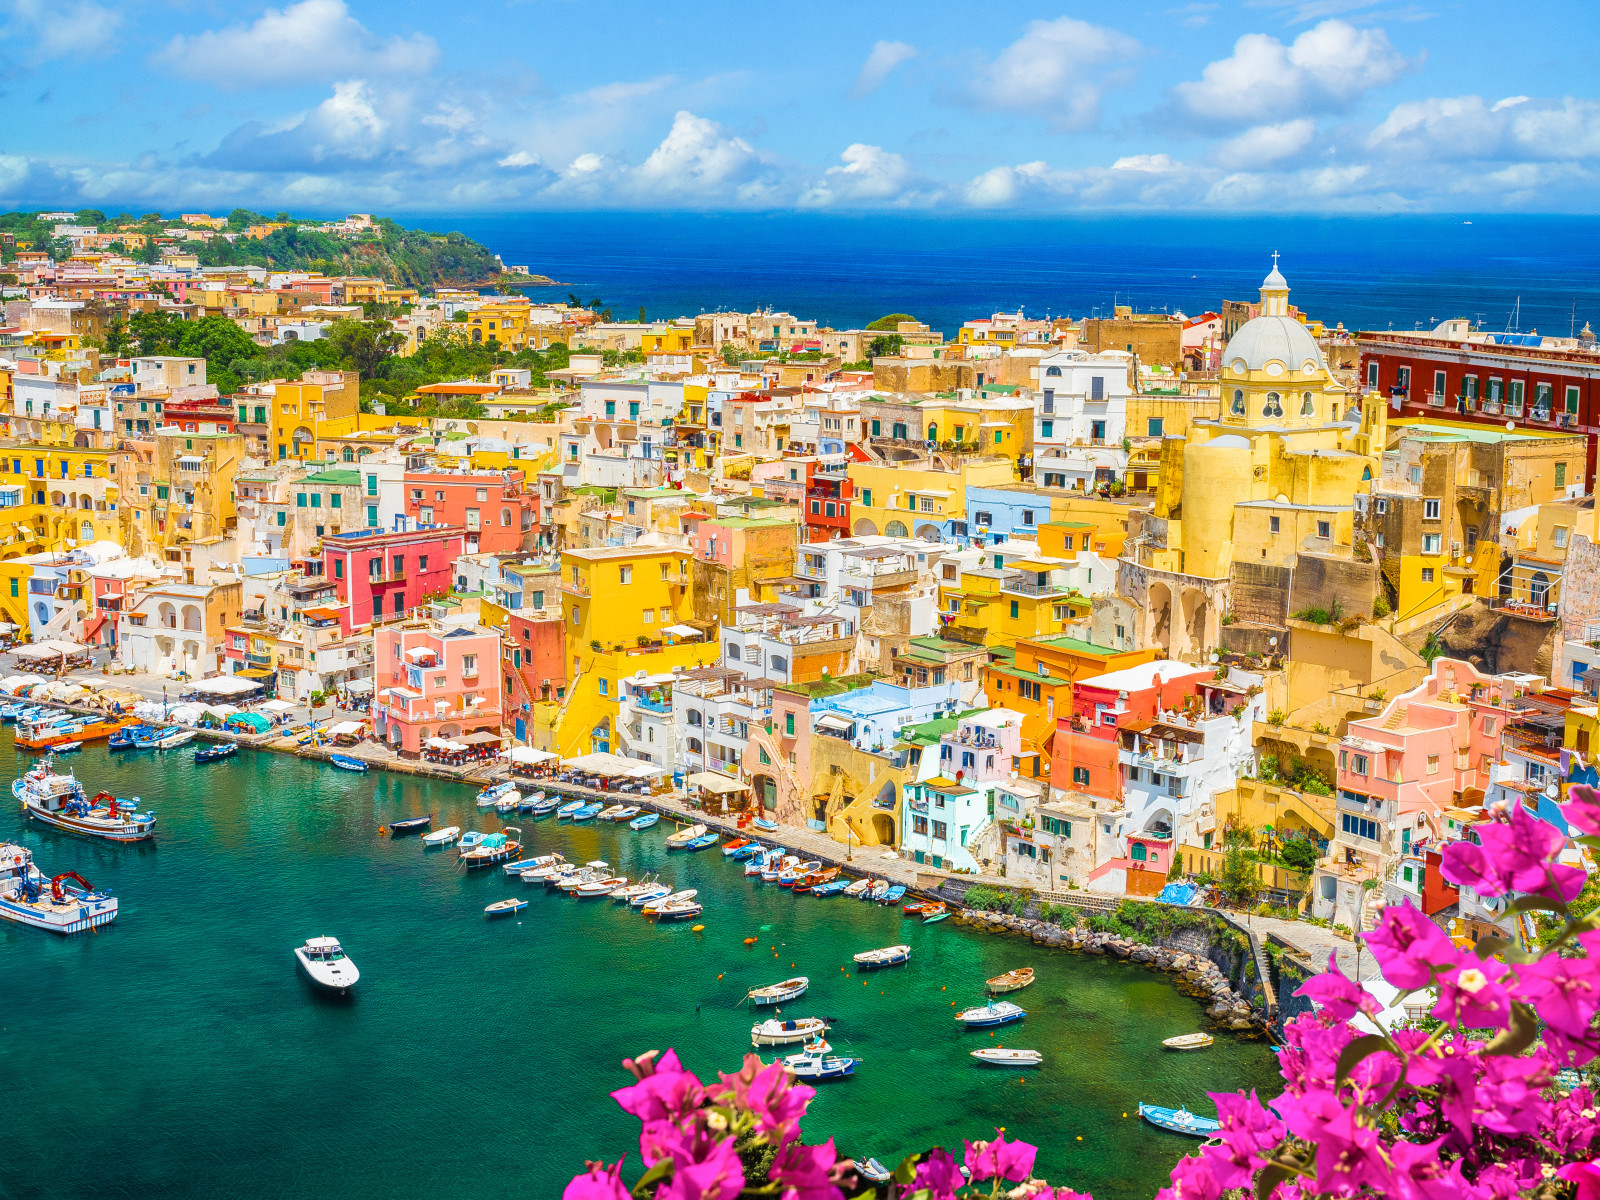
{"x": 1124, "y": 1116}
{"x": 1080, "y": 1137}
{"x": 696, "y": 928}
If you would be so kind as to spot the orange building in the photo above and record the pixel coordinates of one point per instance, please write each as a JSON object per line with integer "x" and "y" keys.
{"x": 1037, "y": 679}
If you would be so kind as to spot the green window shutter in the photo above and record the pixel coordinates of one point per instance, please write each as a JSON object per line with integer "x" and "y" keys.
{"x": 335, "y": 501}
{"x": 300, "y": 500}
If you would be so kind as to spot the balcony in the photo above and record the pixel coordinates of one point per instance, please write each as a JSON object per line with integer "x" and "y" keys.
{"x": 1435, "y": 399}
{"x": 575, "y": 587}
{"x": 1568, "y": 420}
{"x": 1029, "y": 587}
{"x": 386, "y": 577}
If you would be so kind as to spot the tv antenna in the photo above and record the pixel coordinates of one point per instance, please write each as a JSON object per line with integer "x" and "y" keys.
{"x": 1514, "y": 320}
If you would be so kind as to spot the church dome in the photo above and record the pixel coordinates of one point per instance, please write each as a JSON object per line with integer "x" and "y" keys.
{"x": 1264, "y": 340}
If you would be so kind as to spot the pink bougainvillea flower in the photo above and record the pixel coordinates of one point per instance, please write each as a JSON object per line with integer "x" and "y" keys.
{"x": 1409, "y": 947}
{"x": 1508, "y": 1098}
{"x": 806, "y": 1172}
{"x": 1582, "y": 808}
{"x": 1566, "y": 991}
{"x": 1248, "y": 1128}
{"x": 1008, "y": 1160}
{"x": 769, "y": 1092}
{"x": 1340, "y": 996}
{"x": 1473, "y": 998}
{"x": 1194, "y": 1178}
{"x": 1516, "y": 855}
{"x": 1572, "y": 1128}
{"x": 1586, "y": 1175}
{"x": 938, "y": 1175}
{"x": 597, "y": 1183}
{"x": 714, "y": 1174}
{"x": 665, "y": 1091}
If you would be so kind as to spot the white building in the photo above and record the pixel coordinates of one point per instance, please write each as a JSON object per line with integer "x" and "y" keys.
{"x": 1080, "y": 418}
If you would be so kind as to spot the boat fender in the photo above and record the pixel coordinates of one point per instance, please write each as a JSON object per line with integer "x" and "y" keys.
{"x": 697, "y": 929}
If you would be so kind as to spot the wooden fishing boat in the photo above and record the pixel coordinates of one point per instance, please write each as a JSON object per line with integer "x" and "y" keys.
{"x": 1011, "y": 981}
{"x": 888, "y": 956}
{"x": 345, "y": 763}
{"x": 49, "y": 732}
{"x": 892, "y": 896}
{"x": 1188, "y": 1041}
{"x": 410, "y": 824}
{"x": 780, "y": 993}
{"x": 612, "y": 813}
{"x": 816, "y": 879}
{"x": 683, "y": 837}
{"x": 628, "y": 813}
{"x": 729, "y": 849}
{"x": 832, "y": 888}
{"x": 1180, "y": 1120}
{"x": 217, "y": 752}
{"x": 859, "y": 888}
{"x": 999, "y": 1056}
{"x": 644, "y": 822}
{"x": 774, "y": 1032}
{"x": 704, "y": 842}
{"x": 442, "y": 837}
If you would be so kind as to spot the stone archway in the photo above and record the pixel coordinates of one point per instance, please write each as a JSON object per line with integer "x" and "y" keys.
{"x": 929, "y": 533}
{"x": 1196, "y": 639}
{"x": 1160, "y": 617}
{"x": 883, "y": 828}
{"x": 864, "y": 527}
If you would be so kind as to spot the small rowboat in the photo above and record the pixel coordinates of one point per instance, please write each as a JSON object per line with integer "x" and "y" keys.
{"x": 832, "y": 888}
{"x": 681, "y": 911}
{"x": 650, "y": 895}
{"x": 649, "y": 907}
{"x": 1188, "y": 1041}
{"x": 914, "y": 907}
{"x": 683, "y": 837}
{"x": 986, "y": 1016}
{"x": 600, "y": 887}
{"x": 345, "y": 763}
{"x": 1011, "y": 981}
{"x": 999, "y": 1056}
{"x": 528, "y": 864}
{"x": 67, "y": 747}
{"x": 410, "y": 824}
{"x": 858, "y": 888}
{"x": 729, "y": 849}
{"x": 763, "y": 823}
{"x": 874, "y": 1171}
{"x": 211, "y": 753}
{"x": 703, "y": 842}
{"x": 627, "y": 814}
{"x": 610, "y": 814}
{"x": 566, "y": 810}
{"x": 889, "y": 956}
{"x": 938, "y": 916}
{"x": 876, "y": 890}
{"x": 1180, "y": 1120}
{"x": 507, "y": 803}
{"x": 780, "y": 993}
{"x": 501, "y": 907}
{"x": 489, "y": 795}
{"x": 441, "y": 837}
{"x": 892, "y": 896}
{"x": 546, "y": 805}
{"x": 588, "y": 812}
{"x": 785, "y": 1033}
{"x": 645, "y": 821}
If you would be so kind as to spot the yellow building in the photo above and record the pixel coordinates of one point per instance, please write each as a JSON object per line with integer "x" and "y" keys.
{"x": 503, "y": 320}
{"x": 1259, "y": 806}
{"x": 585, "y": 719}
{"x": 621, "y": 596}
{"x": 1269, "y": 480}
{"x": 300, "y": 409}
{"x": 996, "y": 607}
{"x": 906, "y": 499}
{"x": 56, "y": 497}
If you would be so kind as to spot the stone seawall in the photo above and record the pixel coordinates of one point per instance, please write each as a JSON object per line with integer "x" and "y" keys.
{"x": 1197, "y": 971}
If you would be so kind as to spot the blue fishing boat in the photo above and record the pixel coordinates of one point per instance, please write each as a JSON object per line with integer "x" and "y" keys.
{"x": 644, "y": 822}
{"x": 543, "y": 808}
{"x": 892, "y": 896}
{"x": 10, "y": 712}
{"x": 217, "y": 752}
{"x": 128, "y": 739}
{"x": 566, "y": 810}
{"x": 987, "y": 1016}
{"x": 493, "y": 792}
{"x": 832, "y": 888}
{"x": 740, "y": 853}
{"x": 763, "y": 823}
{"x": 345, "y": 763}
{"x": 588, "y": 812}
{"x": 815, "y": 1062}
{"x": 701, "y": 842}
{"x": 1180, "y": 1120}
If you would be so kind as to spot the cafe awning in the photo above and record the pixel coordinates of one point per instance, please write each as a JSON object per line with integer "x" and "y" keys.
{"x": 712, "y": 781}
{"x": 837, "y": 724}
{"x": 482, "y": 738}
{"x": 527, "y": 755}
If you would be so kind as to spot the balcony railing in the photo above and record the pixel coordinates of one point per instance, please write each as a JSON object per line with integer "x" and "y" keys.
{"x": 575, "y": 588}
{"x": 1028, "y": 587}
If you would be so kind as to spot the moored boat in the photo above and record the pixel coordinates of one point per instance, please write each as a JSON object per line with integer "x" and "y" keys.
{"x": 792, "y": 875}
{"x": 596, "y": 888}
{"x": 683, "y": 837}
{"x": 130, "y": 737}
{"x": 171, "y": 739}
{"x": 628, "y": 813}
{"x": 67, "y": 747}
{"x": 501, "y": 907}
{"x": 729, "y": 849}
{"x": 681, "y": 911}
{"x": 1011, "y": 981}
{"x": 588, "y": 812}
{"x": 704, "y": 842}
{"x": 611, "y": 812}
{"x": 494, "y": 848}
{"x": 816, "y": 879}
{"x": 217, "y": 752}
{"x": 831, "y": 888}
{"x": 567, "y": 809}
{"x": 58, "y": 729}
{"x": 470, "y": 839}
{"x": 27, "y": 897}
{"x": 986, "y": 1016}
{"x": 1180, "y": 1120}
{"x": 644, "y": 822}
{"x": 773, "y": 1032}
{"x": 766, "y": 825}
{"x": 543, "y": 808}
{"x": 627, "y": 892}
{"x": 815, "y": 1062}
{"x": 345, "y": 763}
{"x": 874, "y": 1171}
{"x": 410, "y": 824}
{"x": 507, "y": 803}
{"x": 877, "y": 890}
{"x": 442, "y": 837}
{"x": 57, "y": 799}
{"x": 999, "y": 1056}
{"x": 488, "y": 795}
{"x": 888, "y": 956}
{"x": 892, "y": 896}
{"x": 859, "y": 888}
{"x": 529, "y": 864}
{"x": 757, "y": 862}
{"x": 649, "y": 907}
{"x": 1188, "y": 1041}
{"x": 326, "y": 964}
{"x": 780, "y": 993}
{"x": 650, "y": 895}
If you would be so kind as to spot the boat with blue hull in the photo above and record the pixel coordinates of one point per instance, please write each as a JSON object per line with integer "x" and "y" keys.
{"x": 1180, "y": 1120}
{"x": 567, "y": 809}
{"x": 66, "y": 904}
{"x": 216, "y": 753}
{"x": 546, "y": 806}
{"x": 644, "y": 822}
{"x": 345, "y": 763}
{"x": 988, "y": 1016}
{"x": 410, "y": 824}
{"x": 57, "y": 799}
{"x": 130, "y": 738}
{"x": 588, "y": 812}
{"x": 703, "y": 842}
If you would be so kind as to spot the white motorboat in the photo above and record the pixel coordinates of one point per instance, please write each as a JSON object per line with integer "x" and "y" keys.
{"x": 326, "y": 964}
{"x": 1188, "y": 1041}
{"x": 757, "y": 862}
{"x": 442, "y": 837}
{"x": 489, "y": 795}
{"x": 544, "y": 873}
{"x": 780, "y": 993}
{"x": 680, "y": 911}
{"x": 507, "y": 803}
{"x": 816, "y": 1062}
{"x": 889, "y": 956}
{"x": 650, "y": 895}
{"x": 590, "y": 872}
{"x": 683, "y": 837}
{"x": 773, "y": 1032}
{"x": 999, "y": 1056}
{"x": 596, "y": 888}
{"x": 650, "y": 906}
{"x": 628, "y": 892}
{"x": 173, "y": 738}
{"x": 612, "y": 813}
{"x": 28, "y": 897}
{"x": 470, "y": 839}
{"x": 528, "y": 864}
{"x": 776, "y": 865}
{"x": 494, "y": 848}
{"x": 857, "y": 888}
{"x": 501, "y": 907}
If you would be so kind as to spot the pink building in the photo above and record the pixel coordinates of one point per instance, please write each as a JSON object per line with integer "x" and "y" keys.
{"x": 497, "y": 514}
{"x": 435, "y": 680}
{"x": 383, "y": 576}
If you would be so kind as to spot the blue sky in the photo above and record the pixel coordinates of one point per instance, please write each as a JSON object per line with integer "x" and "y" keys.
{"x": 1265, "y": 105}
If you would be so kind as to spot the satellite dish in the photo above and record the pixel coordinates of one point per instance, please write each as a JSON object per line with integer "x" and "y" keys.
{"x": 1272, "y": 641}
{"x": 1510, "y": 425}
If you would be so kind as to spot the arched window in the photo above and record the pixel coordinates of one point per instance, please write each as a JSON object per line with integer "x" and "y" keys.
{"x": 1053, "y": 372}
{"x": 695, "y": 747}
{"x": 895, "y": 529}
{"x": 933, "y": 432}
{"x": 1140, "y": 854}
{"x": 1307, "y": 407}
{"x": 1273, "y": 406}
{"x": 505, "y": 517}
{"x": 349, "y": 454}
{"x": 694, "y": 717}
{"x": 1238, "y": 402}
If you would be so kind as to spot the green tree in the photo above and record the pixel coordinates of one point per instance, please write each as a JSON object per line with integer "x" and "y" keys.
{"x": 885, "y": 346}
{"x": 890, "y": 323}
{"x": 642, "y": 318}
{"x": 242, "y": 218}
{"x": 149, "y": 253}
{"x": 364, "y": 345}
{"x": 156, "y": 332}
{"x": 217, "y": 340}
{"x": 90, "y": 216}
{"x": 1175, "y": 872}
{"x": 1299, "y": 853}
{"x": 117, "y": 343}
{"x": 1239, "y": 880}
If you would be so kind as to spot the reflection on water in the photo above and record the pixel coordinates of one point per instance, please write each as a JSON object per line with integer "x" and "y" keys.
{"x": 476, "y": 1054}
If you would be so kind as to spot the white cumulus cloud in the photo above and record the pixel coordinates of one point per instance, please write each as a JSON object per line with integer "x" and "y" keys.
{"x": 881, "y": 62}
{"x": 1326, "y": 68}
{"x": 1056, "y": 69}
{"x": 75, "y": 28}
{"x": 312, "y": 40}
{"x": 866, "y": 175}
{"x": 1470, "y": 127}
{"x": 702, "y": 161}
{"x": 1265, "y": 144}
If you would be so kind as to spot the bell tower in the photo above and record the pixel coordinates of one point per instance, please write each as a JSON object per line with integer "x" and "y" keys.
{"x": 1275, "y": 292}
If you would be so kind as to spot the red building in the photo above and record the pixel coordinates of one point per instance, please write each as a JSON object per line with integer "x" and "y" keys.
{"x": 496, "y": 512}
{"x": 1486, "y": 379}
{"x": 533, "y": 661}
{"x": 827, "y": 509}
{"x": 384, "y": 576}
{"x": 200, "y": 416}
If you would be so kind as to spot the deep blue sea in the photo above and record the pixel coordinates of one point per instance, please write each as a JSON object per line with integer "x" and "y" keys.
{"x": 1368, "y": 272}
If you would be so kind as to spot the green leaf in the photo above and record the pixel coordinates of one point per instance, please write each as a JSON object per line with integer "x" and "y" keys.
{"x": 1524, "y": 1028}
{"x": 1269, "y": 1178}
{"x": 1499, "y": 947}
{"x": 662, "y": 1170}
{"x": 1534, "y": 904}
{"x": 1589, "y": 840}
{"x": 1357, "y": 1050}
{"x": 907, "y": 1170}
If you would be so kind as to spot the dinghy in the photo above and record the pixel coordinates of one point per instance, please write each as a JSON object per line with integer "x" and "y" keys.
{"x": 683, "y": 837}
{"x": 780, "y": 993}
{"x": 892, "y": 896}
{"x": 489, "y": 795}
{"x": 501, "y": 907}
{"x": 729, "y": 849}
{"x": 528, "y": 864}
{"x": 764, "y": 824}
{"x": 999, "y": 1056}
{"x": 1180, "y": 1120}
{"x": 832, "y": 888}
{"x": 703, "y": 842}
{"x": 649, "y": 907}
{"x": 1188, "y": 1041}
{"x": 611, "y": 813}
{"x": 986, "y": 1016}
{"x": 644, "y": 822}
{"x": 650, "y": 895}
{"x": 681, "y": 911}
{"x": 507, "y": 803}
{"x": 773, "y": 1032}
{"x": 345, "y": 763}
{"x": 889, "y": 956}
{"x": 545, "y": 806}
{"x": 874, "y": 1171}
{"x": 858, "y": 888}
{"x": 627, "y": 814}
{"x": 1011, "y": 981}
{"x": 588, "y": 812}
{"x": 441, "y": 837}
{"x": 566, "y": 810}
{"x": 596, "y": 888}
{"x": 410, "y": 824}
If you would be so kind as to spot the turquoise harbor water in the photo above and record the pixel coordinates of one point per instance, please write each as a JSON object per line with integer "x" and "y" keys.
{"x": 179, "y": 1054}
